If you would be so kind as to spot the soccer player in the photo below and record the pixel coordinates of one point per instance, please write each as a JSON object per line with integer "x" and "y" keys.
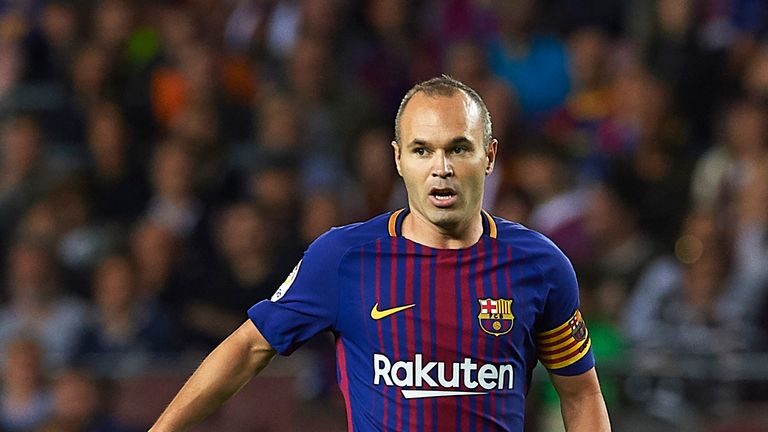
{"x": 440, "y": 310}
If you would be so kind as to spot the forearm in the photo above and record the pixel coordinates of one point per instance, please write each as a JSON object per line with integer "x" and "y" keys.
{"x": 227, "y": 369}
{"x": 581, "y": 402}
{"x": 585, "y": 414}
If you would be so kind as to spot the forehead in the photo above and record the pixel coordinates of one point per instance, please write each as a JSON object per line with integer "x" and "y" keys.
{"x": 428, "y": 117}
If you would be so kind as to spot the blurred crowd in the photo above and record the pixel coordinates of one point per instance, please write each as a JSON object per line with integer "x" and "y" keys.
{"x": 163, "y": 164}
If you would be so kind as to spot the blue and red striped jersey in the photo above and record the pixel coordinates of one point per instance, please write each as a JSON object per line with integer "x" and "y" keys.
{"x": 433, "y": 339}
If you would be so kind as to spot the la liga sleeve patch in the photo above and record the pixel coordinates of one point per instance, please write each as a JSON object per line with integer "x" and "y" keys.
{"x": 283, "y": 288}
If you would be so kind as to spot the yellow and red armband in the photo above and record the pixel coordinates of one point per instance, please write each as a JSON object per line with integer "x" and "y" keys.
{"x": 565, "y": 344}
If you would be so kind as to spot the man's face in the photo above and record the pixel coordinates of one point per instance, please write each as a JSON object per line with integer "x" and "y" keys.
{"x": 442, "y": 158}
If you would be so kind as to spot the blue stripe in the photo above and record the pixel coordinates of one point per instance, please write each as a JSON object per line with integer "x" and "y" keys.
{"x": 459, "y": 326}
{"x": 401, "y": 318}
{"x": 489, "y": 354}
{"x": 375, "y": 404}
{"x": 386, "y": 325}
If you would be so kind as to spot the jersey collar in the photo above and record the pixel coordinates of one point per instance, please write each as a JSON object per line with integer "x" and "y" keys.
{"x": 395, "y": 224}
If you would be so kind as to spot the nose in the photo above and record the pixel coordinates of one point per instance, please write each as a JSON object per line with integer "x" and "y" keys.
{"x": 442, "y": 167}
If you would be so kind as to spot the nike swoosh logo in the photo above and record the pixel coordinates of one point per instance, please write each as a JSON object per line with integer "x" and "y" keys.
{"x": 379, "y": 314}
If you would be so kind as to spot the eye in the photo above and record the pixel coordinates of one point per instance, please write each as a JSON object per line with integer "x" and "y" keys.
{"x": 459, "y": 150}
{"x": 421, "y": 151}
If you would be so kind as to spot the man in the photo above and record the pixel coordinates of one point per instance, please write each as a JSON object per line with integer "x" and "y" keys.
{"x": 440, "y": 311}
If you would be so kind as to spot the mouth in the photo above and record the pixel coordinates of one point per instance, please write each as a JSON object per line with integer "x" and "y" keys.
{"x": 442, "y": 197}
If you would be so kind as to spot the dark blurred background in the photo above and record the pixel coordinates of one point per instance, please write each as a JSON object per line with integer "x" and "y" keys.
{"x": 163, "y": 164}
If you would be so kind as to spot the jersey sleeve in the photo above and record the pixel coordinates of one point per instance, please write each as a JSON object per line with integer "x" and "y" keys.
{"x": 305, "y": 304}
{"x": 563, "y": 344}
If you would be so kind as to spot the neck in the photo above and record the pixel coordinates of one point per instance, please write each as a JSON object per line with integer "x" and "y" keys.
{"x": 460, "y": 235}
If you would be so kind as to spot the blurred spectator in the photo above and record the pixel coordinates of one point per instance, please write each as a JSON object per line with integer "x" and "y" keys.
{"x": 754, "y": 78}
{"x": 653, "y": 143}
{"x": 681, "y": 54}
{"x": 174, "y": 204}
{"x": 513, "y": 204}
{"x": 12, "y": 62}
{"x": 53, "y": 44}
{"x": 80, "y": 405}
{"x": 80, "y": 237}
{"x": 279, "y": 123}
{"x": 722, "y": 172}
{"x": 113, "y": 171}
{"x": 23, "y": 171}
{"x": 155, "y": 250}
{"x": 244, "y": 271}
{"x": 38, "y": 305}
{"x": 25, "y": 401}
{"x": 123, "y": 332}
{"x": 677, "y": 302}
{"x": 682, "y": 311}
{"x": 275, "y": 188}
{"x": 112, "y": 24}
{"x": 374, "y": 184}
{"x": 454, "y": 21}
{"x": 557, "y": 209}
{"x": 331, "y": 113}
{"x": 321, "y": 212}
{"x": 579, "y": 126}
{"x": 392, "y": 54}
{"x": 620, "y": 250}
{"x": 91, "y": 71}
{"x": 535, "y": 65}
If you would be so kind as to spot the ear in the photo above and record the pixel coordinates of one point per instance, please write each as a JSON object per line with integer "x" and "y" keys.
{"x": 490, "y": 155}
{"x": 396, "y": 149}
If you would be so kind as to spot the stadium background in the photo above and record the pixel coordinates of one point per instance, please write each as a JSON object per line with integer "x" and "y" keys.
{"x": 164, "y": 163}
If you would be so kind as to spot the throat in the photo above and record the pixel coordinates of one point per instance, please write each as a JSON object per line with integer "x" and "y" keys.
{"x": 459, "y": 235}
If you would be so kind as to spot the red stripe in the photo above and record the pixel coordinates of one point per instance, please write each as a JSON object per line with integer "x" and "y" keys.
{"x": 426, "y": 345}
{"x": 479, "y": 288}
{"x": 559, "y": 350}
{"x": 569, "y": 355}
{"x": 410, "y": 250}
{"x": 508, "y": 264}
{"x": 393, "y": 321}
{"x": 468, "y": 307}
{"x": 344, "y": 380}
{"x": 560, "y": 339}
{"x": 553, "y": 338}
{"x": 495, "y": 290}
{"x": 445, "y": 316}
{"x": 378, "y": 323}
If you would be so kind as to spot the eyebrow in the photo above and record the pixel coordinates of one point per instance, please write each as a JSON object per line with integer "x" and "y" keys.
{"x": 454, "y": 141}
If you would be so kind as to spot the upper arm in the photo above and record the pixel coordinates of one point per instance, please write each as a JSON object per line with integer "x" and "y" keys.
{"x": 562, "y": 339}
{"x": 306, "y": 303}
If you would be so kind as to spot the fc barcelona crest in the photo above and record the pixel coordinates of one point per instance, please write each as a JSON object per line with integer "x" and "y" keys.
{"x": 495, "y": 316}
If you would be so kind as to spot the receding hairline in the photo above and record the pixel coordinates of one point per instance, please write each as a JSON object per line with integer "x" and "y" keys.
{"x": 445, "y": 86}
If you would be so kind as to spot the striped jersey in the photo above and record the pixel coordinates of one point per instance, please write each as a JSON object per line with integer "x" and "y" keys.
{"x": 433, "y": 339}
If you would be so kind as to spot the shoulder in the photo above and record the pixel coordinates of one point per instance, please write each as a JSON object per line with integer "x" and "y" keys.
{"x": 338, "y": 240}
{"x": 520, "y": 236}
{"x": 530, "y": 244}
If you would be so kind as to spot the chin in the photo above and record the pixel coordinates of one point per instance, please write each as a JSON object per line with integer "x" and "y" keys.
{"x": 445, "y": 218}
